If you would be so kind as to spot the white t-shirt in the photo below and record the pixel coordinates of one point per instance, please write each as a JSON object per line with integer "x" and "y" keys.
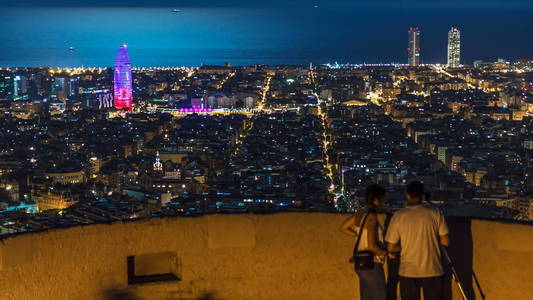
{"x": 417, "y": 228}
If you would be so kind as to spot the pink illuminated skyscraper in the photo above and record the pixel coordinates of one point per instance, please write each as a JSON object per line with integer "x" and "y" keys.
{"x": 123, "y": 80}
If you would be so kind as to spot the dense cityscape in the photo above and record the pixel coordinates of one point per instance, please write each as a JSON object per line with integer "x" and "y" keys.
{"x": 92, "y": 145}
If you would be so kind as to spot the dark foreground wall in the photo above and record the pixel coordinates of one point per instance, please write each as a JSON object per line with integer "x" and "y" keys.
{"x": 279, "y": 256}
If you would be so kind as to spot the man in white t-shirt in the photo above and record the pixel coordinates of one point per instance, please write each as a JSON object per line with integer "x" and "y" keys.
{"x": 418, "y": 231}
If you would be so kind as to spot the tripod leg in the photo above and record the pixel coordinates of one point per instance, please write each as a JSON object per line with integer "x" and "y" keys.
{"x": 454, "y": 274}
{"x": 460, "y": 286}
{"x": 478, "y": 285}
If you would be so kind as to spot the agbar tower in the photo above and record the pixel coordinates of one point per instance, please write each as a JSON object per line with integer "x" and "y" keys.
{"x": 123, "y": 97}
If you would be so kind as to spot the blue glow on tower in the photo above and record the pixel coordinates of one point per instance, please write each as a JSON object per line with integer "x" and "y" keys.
{"x": 123, "y": 80}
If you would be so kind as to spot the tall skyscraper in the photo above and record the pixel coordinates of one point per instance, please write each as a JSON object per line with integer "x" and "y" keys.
{"x": 454, "y": 48}
{"x": 123, "y": 80}
{"x": 414, "y": 46}
{"x": 19, "y": 86}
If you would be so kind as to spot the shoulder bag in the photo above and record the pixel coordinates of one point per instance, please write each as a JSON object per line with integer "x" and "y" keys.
{"x": 362, "y": 260}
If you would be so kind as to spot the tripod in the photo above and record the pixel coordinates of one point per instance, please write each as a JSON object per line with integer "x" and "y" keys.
{"x": 452, "y": 266}
{"x": 454, "y": 273}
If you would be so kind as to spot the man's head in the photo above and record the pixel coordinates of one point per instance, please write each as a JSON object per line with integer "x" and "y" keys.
{"x": 414, "y": 192}
{"x": 374, "y": 195}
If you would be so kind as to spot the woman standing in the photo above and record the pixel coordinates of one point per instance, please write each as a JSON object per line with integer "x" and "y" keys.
{"x": 372, "y": 284}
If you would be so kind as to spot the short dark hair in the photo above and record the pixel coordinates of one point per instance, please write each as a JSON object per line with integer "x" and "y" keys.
{"x": 415, "y": 189}
{"x": 372, "y": 192}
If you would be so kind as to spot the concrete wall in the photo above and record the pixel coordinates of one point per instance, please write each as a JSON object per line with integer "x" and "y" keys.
{"x": 279, "y": 256}
{"x": 503, "y": 259}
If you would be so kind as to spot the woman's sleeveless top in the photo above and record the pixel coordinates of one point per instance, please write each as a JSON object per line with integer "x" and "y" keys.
{"x": 363, "y": 243}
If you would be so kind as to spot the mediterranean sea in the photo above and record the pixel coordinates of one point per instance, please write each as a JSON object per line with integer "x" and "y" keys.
{"x": 31, "y": 37}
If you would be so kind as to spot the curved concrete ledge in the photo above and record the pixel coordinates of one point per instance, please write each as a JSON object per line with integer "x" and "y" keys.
{"x": 279, "y": 256}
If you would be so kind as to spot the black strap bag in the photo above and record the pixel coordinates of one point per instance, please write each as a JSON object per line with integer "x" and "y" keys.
{"x": 362, "y": 260}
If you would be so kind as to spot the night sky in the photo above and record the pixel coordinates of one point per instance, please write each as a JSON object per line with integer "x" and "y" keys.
{"x": 38, "y": 33}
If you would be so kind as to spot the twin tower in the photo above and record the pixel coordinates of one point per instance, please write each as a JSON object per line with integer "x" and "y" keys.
{"x": 454, "y": 47}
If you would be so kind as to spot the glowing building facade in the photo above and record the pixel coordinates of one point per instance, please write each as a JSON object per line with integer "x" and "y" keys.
{"x": 454, "y": 48}
{"x": 414, "y": 47}
{"x": 123, "y": 80}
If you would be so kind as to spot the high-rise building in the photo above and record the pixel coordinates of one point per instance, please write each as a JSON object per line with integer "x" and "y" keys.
{"x": 6, "y": 87}
{"x": 73, "y": 86}
{"x": 19, "y": 86}
{"x": 123, "y": 80}
{"x": 59, "y": 88}
{"x": 454, "y": 48}
{"x": 414, "y": 46}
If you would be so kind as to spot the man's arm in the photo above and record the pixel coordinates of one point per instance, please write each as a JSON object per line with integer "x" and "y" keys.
{"x": 444, "y": 240}
{"x": 393, "y": 250}
{"x": 393, "y": 247}
{"x": 393, "y": 238}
